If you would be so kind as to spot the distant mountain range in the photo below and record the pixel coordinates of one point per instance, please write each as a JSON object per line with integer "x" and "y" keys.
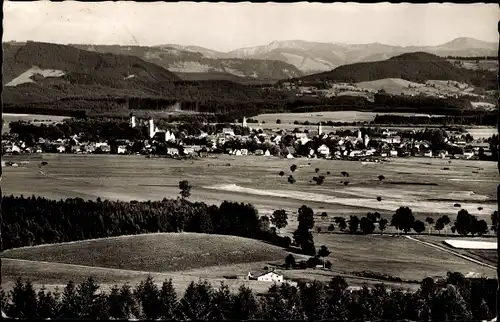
{"x": 311, "y": 57}
{"x": 279, "y": 59}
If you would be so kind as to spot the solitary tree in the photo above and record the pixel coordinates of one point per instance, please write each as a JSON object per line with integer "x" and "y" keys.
{"x": 291, "y": 179}
{"x": 381, "y": 177}
{"x": 282, "y": 173}
{"x": 429, "y": 221}
{"x": 316, "y": 170}
{"x": 185, "y": 189}
{"x": 379, "y": 199}
{"x": 323, "y": 252}
{"x": 290, "y": 261}
{"x": 293, "y": 168}
{"x": 279, "y": 218}
{"x": 331, "y": 227}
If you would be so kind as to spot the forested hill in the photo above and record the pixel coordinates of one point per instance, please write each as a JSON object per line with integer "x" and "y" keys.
{"x": 39, "y": 77}
{"x": 79, "y": 63}
{"x": 42, "y": 72}
{"x": 416, "y": 67}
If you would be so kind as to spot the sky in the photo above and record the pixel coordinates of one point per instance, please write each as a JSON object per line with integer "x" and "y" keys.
{"x": 228, "y": 26}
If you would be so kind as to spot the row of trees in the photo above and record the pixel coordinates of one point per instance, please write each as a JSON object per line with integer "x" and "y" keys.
{"x": 455, "y": 298}
{"x": 36, "y": 220}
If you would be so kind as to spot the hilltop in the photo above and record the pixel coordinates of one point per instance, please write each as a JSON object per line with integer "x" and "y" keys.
{"x": 414, "y": 67}
{"x": 156, "y": 252}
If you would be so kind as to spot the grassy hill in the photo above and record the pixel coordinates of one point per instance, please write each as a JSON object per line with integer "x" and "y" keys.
{"x": 162, "y": 252}
{"x": 415, "y": 67}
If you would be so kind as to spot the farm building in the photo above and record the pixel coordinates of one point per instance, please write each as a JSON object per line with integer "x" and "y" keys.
{"x": 266, "y": 276}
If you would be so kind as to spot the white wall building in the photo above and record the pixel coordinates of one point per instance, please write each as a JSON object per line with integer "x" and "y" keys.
{"x": 267, "y": 277}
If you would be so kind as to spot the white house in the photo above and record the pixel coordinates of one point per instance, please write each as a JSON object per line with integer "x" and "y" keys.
{"x": 393, "y": 153}
{"x": 259, "y": 152}
{"x": 244, "y": 152}
{"x": 428, "y": 154}
{"x": 121, "y": 149}
{"x": 266, "y": 277}
{"x": 61, "y": 149}
{"x": 237, "y": 152}
{"x": 267, "y": 153}
{"x": 323, "y": 149}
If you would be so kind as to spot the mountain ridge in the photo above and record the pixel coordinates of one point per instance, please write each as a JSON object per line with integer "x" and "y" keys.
{"x": 311, "y": 57}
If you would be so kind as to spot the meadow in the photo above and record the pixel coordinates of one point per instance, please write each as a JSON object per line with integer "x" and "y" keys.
{"x": 256, "y": 180}
{"x": 335, "y": 116}
{"x": 422, "y": 184}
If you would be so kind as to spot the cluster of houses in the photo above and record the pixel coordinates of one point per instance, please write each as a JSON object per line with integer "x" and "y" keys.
{"x": 313, "y": 144}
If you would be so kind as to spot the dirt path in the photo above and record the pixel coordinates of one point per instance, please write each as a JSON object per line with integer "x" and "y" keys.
{"x": 452, "y": 252}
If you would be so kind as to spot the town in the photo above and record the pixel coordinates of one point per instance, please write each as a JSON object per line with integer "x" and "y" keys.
{"x": 364, "y": 143}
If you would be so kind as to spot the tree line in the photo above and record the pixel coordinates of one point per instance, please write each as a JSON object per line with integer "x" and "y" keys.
{"x": 487, "y": 119}
{"x": 403, "y": 220}
{"x": 35, "y": 220}
{"x": 452, "y": 299}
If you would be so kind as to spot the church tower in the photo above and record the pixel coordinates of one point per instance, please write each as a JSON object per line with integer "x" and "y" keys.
{"x": 320, "y": 129}
{"x": 244, "y": 123}
{"x": 132, "y": 120}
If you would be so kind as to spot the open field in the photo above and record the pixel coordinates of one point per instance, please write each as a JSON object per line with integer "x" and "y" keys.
{"x": 255, "y": 179}
{"x": 336, "y": 116}
{"x": 396, "y": 256}
{"x": 54, "y": 275}
{"x": 488, "y": 256}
